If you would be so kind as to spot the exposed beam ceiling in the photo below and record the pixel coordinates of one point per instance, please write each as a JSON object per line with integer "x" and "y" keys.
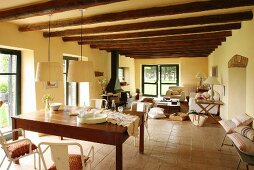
{"x": 180, "y": 28}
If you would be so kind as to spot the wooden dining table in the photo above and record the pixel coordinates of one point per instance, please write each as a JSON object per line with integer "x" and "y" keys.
{"x": 60, "y": 123}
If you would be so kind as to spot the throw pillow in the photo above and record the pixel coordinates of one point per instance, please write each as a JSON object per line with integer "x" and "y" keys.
{"x": 156, "y": 112}
{"x": 246, "y": 131}
{"x": 242, "y": 119}
{"x": 206, "y": 95}
{"x": 242, "y": 143}
{"x": 228, "y": 125}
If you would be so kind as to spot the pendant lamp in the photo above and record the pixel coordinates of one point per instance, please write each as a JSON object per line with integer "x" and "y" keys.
{"x": 49, "y": 71}
{"x": 80, "y": 71}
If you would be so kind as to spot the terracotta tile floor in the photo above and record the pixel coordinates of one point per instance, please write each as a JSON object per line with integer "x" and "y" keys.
{"x": 173, "y": 145}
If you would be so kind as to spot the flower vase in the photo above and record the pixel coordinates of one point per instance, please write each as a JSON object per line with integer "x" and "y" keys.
{"x": 47, "y": 106}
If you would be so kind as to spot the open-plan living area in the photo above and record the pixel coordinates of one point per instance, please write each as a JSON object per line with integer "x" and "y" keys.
{"x": 126, "y": 84}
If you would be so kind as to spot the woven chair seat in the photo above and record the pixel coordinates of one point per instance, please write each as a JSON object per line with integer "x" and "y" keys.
{"x": 20, "y": 148}
{"x": 74, "y": 162}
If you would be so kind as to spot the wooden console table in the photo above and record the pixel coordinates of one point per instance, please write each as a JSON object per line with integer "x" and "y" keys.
{"x": 208, "y": 107}
{"x": 59, "y": 123}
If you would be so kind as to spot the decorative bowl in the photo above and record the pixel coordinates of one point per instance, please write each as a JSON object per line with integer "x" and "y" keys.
{"x": 55, "y": 106}
{"x": 91, "y": 118}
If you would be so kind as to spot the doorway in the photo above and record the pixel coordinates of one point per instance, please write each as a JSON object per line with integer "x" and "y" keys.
{"x": 10, "y": 86}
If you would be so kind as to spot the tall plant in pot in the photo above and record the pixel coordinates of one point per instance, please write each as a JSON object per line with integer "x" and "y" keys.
{"x": 4, "y": 91}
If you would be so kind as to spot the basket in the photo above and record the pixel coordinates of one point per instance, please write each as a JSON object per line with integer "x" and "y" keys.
{"x": 198, "y": 120}
{"x": 178, "y": 116}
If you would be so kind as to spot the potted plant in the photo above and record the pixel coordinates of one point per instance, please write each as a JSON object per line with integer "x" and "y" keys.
{"x": 4, "y": 91}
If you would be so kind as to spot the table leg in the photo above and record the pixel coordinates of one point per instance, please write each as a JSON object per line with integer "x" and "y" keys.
{"x": 15, "y": 135}
{"x": 119, "y": 153}
{"x": 141, "y": 136}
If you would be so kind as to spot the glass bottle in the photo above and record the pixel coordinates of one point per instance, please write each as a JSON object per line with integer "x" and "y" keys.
{"x": 113, "y": 105}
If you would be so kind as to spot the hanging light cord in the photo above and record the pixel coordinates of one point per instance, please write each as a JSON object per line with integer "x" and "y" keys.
{"x": 81, "y": 34}
{"x": 49, "y": 40}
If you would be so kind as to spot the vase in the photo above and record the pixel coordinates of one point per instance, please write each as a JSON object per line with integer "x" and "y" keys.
{"x": 47, "y": 106}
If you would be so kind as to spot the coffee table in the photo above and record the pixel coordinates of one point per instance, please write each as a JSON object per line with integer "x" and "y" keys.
{"x": 169, "y": 107}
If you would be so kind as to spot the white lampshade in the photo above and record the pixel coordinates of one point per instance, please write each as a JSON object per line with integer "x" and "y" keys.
{"x": 49, "y": 71}
{"x": 200, "y": 75}
{"x": 80, "y": 71}
{"x": 211, "y": 80}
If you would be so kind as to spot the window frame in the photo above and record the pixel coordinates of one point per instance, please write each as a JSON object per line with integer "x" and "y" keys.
{"x": 67, "y": 58}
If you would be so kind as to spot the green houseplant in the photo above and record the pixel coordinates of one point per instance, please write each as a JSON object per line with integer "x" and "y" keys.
{"x": 4, "y": 91}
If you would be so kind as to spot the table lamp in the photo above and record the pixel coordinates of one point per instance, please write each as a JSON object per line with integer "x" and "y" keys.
{"x": 212, "y": 81}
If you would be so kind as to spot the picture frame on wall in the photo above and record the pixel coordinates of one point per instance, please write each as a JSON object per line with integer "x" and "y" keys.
{"x": 215, "y": 71}
{"x": 51, "y": 84}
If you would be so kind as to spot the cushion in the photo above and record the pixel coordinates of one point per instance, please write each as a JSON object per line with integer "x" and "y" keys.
{"x": 242, "y": 119}
{"x": 228, "y": 125}
{"x": 156, "y": 112}
{"x": 20, "y": 148}
{"x": 74, "y": 161}
{"x": 199, "y": 96}
{"x": 246, "y": 131}
{"x": 206, "y": 95}
{"x": 175, "y": 92}
{"x": 242, "y": 143}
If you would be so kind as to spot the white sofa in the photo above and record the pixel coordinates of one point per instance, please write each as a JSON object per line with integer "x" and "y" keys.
{"x": 176, "y": 92}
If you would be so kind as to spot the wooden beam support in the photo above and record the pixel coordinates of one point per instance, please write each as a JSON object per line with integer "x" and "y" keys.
{"x": 50, "y": 7}
{"x": 144, "y": 43}
{"x": 176, "y": 44}
{"x": 142, "y": 13}
{"x": 157, "y": 40}
{"x": 142, "y": 34}
{"x": 201, "y": 20}
{"x": 165, "y": 56}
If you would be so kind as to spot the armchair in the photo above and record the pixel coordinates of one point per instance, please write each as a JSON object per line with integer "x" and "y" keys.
{"x": 176, "y": 92}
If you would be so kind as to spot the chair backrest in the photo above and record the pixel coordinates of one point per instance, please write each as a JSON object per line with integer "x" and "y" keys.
{"x": 141, "y": 106}
{"x": 59, "y": 154}
{"x": 99, "y": 103}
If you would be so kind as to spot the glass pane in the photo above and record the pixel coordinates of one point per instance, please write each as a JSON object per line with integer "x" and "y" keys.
{"x": 168, "y": 74}
{"x": 150, "y": 89}
{"x": 72, "y": 96}
{"x": 164, "y": 88}
{"x": 8, "y": 63}
{"x": 64, "y": 79}
{"x": 7, "y": 99}
{"x": 150, "y": 74}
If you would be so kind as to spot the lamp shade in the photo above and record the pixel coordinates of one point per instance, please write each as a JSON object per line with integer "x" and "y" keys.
{"x": 49, "y": 71}
{"x": 200, "y": 75}
{"x": 80, "y": 71}
{"x": 211, "y": 80}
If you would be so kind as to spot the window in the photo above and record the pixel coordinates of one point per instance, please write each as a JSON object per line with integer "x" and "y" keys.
{"x": 10, "y": 86}
{"x": 70, "y": 88}
{"x": 157, "y": 78}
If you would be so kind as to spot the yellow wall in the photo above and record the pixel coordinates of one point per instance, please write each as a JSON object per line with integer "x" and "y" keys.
{"x": 188, "y": 68}
{"x": 241, "y": 42}
{"x": 35, "y": 49}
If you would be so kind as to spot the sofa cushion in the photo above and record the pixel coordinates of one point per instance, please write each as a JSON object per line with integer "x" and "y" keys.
{"x": 242, "y": 119}
{"x": 228, "y": 125}
{"x": 246, "y": 131}
{"x": 175, "y": 92}
{"x": 242, "y": 143}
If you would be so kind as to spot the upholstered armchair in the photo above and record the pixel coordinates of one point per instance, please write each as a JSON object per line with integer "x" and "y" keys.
{"x": 176, "y": 92}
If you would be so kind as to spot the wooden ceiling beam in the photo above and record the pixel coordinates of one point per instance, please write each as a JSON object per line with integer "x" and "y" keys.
{"x": 165, "y": 56}
{"x": 50, "y": 7}
{"x": 181, "y": 44}
{"x": 142, "y": 13}
{"x": 211, "y": 41}
{"x": 201, "y": 36}
{"x": 200, "y": 20}
{"x": 164, "y": 51}
{"x": 142, "y": 34}
{"x": 212, "y": 28}
{"x": 160, "y": 39}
